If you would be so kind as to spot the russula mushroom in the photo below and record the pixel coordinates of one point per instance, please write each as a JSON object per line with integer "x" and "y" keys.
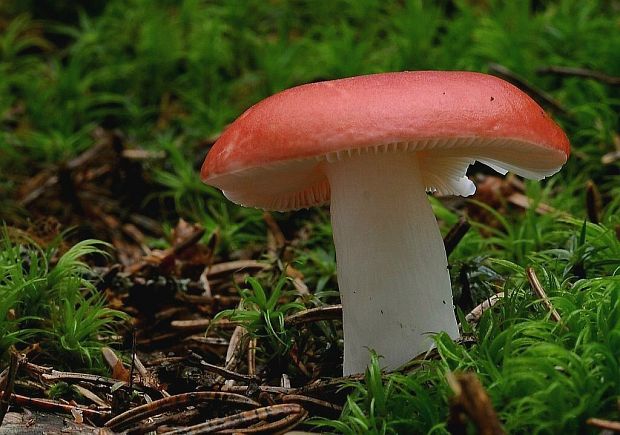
{"x": 371, "y": 146}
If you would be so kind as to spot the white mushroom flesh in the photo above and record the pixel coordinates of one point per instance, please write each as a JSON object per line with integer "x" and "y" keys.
{"x": 392, "y": 267}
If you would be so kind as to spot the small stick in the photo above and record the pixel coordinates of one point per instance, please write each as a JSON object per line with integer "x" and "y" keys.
{"x": 600, "y": 423}
{"x": 472, "y": 401}
{"x": 252, "y": 357}
{"x": 228, "y": 374}
{"x": 540, "y": 292}
{"x": 274, "y": 229}
{"x": 331, "y": 312}
{"x": 580, "y": 72}
{"x": 201, "y": 324}
{"x": 594, "y": 203}
{"x": 332, "y": 408}
{"x": 279, "y": 426}
{"x": 475, "y": 314}
{"x": 147, "y": 380}
{"x": 8, "y": 385}
{"x": 610, "y": 157}
{"x": 268, "y": 389}
{"x": 455, "y": 235}
{"x": 55, "y": 375}
{"x": 243, "y": 418}
{"x": 231, "y": 353}
{"x": 235, "y": 266}
{"x": 54, "y": 406}
{"x": 298, "y": 363}
{"x": 285, "y": 381}
{"x": 85, "y": 392}
{"x": 160, "y": 406}
{"x": 133, "y": 359}
{"x": 177, "y": 419}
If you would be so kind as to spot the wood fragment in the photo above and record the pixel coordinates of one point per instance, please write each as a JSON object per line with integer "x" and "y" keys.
{"x": 228, "y": 374}
{"x": 141, "y": 154}
{"x": 235, "y": 266}
{"x": 252, "y": 357}
{"x": 610, "y": 157}
{"x": 603, "y": 424}
{"x": 127, "y": 418}
{"x": 55, "y": 375}
{"x": 285, "y": 381}
{"x": 8, "y": 384}
{"x": 542, "y": 295}
{"x": 241, "y": 419}
{"x": 174, "y": 419}
{"x": 521, "y": 200}
{"x": 476, "y": 314}
{"x": 594, "y": 202}
{"x": 231, "y": 353}
{"x": 85, "y": 392}
{"x": 201, "y": 324}
{"x": 308, "y": 402}
{"x": 580, "y": 72}
{"x": 331, "y": 312}
{"x": 56, "y": 406}
{"x": 275, "y": 230}
{"x": 455, "y": 235}
{"x": 214, "y": 341}
{"x": 294, "y": 355}
{"x": 208, "y": 300}
{"x": 204, "y": 282}
{"x": 119, "y": 372}
{"x": 284, "y": 425}
{"x": 471, "y": 402}
{"x": 269, "y": 389}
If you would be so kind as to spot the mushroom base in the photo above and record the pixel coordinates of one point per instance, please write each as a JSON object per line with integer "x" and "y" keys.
{"x": 392, "y": 267}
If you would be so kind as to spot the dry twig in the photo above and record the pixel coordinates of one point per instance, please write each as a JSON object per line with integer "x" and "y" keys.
{"x": 540, "y": 292}
{"x": 600, "y": 423}
{"x": 242, "y": 419}
{"x": 55, "y": 406}
{"x": 455, "y": 235}
{"x": 470, "y": 401}
{"x": 160, "y": 406}
{"x": 580, "y": 72}
{"x": 8, "y": 384}
{"x": 475, "y": 314}
{"x": 594, "y": 202}
{"x": 312, "y": 402}
{"x": 332, "y": 312}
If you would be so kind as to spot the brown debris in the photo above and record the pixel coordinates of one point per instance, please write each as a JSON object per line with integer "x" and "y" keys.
{"x": 594, "y": 202}
{"x": 247, "y": 418}
{"x": 471, "y": 403}
{"x": 455, "y": 235}
{"x": 602, "y": 424}
{"x": 119, "y": 372}
{"x": 580, "y": 72}
{"x": 542, "y": 295}
{"x": 475, "y": 315}
{"x": 8, "y": 382}
{"x": 332, "y": 312}
{"x": 160, "y": 406}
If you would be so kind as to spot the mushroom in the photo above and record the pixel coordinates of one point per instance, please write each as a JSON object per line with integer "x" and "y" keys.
{"x": 371, "y": 147}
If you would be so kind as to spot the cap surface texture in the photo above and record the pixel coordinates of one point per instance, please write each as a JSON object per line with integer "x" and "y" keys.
{"x": 273, "y": 155}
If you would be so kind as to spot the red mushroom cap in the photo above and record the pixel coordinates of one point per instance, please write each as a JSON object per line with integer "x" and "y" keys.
{"x": 272, "y": 155}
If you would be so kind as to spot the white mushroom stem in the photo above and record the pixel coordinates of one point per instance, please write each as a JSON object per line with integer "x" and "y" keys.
{"x": 392, "y": 267}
